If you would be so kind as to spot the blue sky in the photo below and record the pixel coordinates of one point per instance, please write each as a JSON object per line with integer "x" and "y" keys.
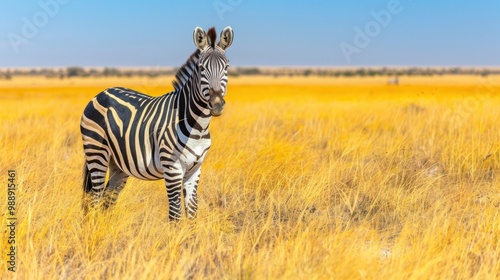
{"x": 46, "y": 33}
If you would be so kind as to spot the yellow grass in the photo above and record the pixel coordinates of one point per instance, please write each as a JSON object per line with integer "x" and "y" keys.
{"x": 307, "y": 178}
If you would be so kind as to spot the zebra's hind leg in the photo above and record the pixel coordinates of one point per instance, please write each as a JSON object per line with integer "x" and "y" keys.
{"x": 94, "y": 173}
{"x": 191, "y": 193}
{"x": 116, "y": 183}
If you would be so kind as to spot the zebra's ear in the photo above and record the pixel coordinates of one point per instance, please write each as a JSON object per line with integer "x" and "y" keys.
{"x": 200, "y": 38}
{"x": 226, "y": 38}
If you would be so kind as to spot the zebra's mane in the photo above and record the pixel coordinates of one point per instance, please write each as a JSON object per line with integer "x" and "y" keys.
{"x": 186, "y": 70}
{"x": 211, "y": 37}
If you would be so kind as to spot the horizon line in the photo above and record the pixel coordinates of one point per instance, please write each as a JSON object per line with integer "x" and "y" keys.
{"x": 260, "y": 67}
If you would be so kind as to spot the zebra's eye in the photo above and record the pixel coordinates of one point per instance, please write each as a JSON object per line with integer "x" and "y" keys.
{"x": 202, "y": 68}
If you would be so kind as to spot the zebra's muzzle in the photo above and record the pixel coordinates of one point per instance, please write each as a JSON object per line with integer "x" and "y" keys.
{"x": 216, "y": 102}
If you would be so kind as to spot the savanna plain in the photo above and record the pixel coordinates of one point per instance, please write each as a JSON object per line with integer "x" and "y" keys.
{"x": 307, "y": 178}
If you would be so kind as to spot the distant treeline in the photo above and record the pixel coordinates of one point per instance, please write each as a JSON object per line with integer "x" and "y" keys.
{"x": 69, "y": 72}
{"x": 362, "y": 72}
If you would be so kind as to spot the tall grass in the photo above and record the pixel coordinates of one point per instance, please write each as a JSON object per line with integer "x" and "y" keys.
{"x": 315, "y": 181}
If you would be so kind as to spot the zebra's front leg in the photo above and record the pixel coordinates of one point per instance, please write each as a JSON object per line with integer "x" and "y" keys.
{"x": 191, "y": 192}
{"x": 173, "y": 181}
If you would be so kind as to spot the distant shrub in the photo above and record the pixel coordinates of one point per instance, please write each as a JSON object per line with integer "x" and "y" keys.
{"x": 485, "y": 73}
{"x": 233, "y": 73}
{"x": 348, "y": 73}
{"x": 75, "y": 72}
{"x": 110, "y": 72}
{"x": 249, "y": 71}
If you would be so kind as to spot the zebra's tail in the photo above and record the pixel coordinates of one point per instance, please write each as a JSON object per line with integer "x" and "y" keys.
{"x": 87, "y": 183}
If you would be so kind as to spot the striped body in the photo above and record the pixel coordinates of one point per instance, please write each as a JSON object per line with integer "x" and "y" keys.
{"x": 137, "y": 137}
{"x": 127, "y": 133}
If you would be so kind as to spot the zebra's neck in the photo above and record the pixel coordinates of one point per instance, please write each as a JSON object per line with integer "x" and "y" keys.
{"x": 193, "y": 107}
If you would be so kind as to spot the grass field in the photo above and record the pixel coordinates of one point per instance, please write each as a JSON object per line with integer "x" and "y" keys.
{"x": 307, "y": 178}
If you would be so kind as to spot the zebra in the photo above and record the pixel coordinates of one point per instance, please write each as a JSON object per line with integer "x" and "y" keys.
{"x": 129, "y": 133}
{"x": 393, "y": 81}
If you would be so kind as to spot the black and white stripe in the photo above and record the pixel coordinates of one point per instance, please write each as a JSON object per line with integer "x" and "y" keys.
{"x": 132, "y": 134}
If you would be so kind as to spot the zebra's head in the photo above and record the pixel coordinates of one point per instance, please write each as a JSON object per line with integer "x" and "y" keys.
{"x": 213, "y": 65}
